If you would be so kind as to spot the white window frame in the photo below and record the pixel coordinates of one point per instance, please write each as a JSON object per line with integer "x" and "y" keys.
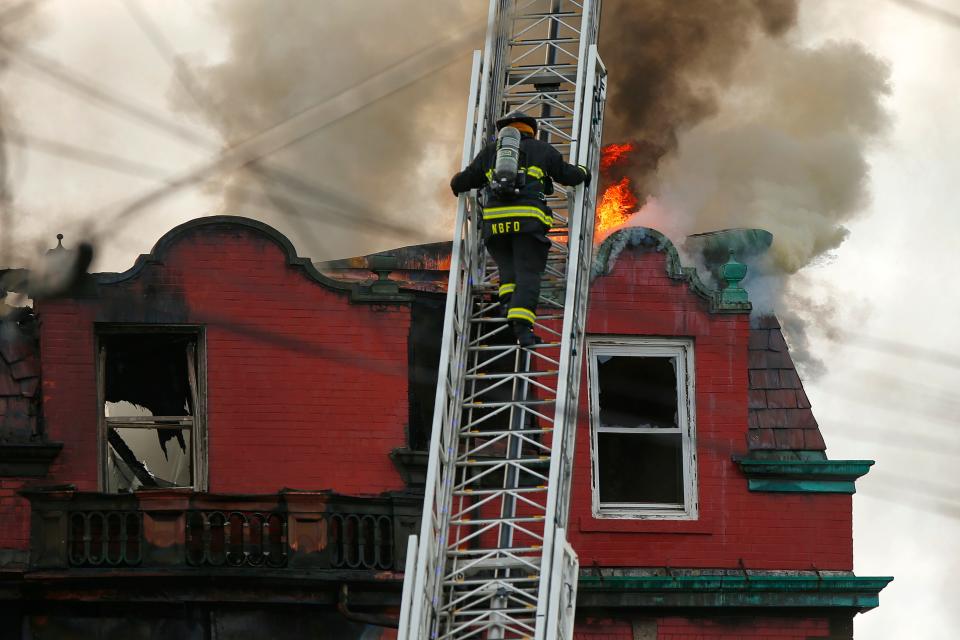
{"x": 682, "y": 351}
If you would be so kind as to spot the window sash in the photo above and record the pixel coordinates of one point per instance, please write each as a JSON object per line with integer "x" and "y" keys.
{"x": 150, "y": 422}
{"x": 196, "y": 424}
{"x": 639, "y": 430}
{"x": 681, "y": 351}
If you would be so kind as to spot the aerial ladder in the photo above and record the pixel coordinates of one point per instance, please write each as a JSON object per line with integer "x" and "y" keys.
{"x": 492, "y": 560}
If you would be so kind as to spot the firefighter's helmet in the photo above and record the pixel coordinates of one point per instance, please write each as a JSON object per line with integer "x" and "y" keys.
{"x": 517, "y": 117}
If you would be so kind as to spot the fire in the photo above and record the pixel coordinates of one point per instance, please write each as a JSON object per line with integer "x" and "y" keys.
{"x": 614, "y": 154}
{"x": 616, "y": 205}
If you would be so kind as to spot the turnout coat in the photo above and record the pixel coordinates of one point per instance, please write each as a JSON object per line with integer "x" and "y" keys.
{"x": 527, "y": 211}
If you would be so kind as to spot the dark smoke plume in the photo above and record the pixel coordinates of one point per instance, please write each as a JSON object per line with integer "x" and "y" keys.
{"x": 668, "y": 62}
{"x": 737, "y": 125}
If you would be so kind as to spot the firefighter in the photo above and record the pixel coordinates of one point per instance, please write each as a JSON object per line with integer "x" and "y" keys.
{"x": 516, "y": 217}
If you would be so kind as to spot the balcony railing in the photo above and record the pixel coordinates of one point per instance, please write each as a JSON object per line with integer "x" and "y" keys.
{"x": 181, "y": 529}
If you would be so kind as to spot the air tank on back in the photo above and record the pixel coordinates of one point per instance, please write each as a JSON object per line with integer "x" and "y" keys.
{"x": 507, "y": 162}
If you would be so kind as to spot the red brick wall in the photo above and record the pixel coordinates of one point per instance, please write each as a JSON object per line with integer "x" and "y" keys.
{"x": 728, "y": 628}
{"x": 743, "y": 629}
{"x": 14, "y": 516}
{"x": 305, "y": 389}
{"x": 603, "y": 629}
{"x": 765, "y": 530}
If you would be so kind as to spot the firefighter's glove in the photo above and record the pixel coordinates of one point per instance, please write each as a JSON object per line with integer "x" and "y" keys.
{"x": 548, "y": 189}
{"x": 586, "y": 175}
{"x": 453, "y": 188}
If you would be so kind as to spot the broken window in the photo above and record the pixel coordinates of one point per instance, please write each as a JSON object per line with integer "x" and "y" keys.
{"x": 642, "y": 426}
{"x": 151, "y": 409}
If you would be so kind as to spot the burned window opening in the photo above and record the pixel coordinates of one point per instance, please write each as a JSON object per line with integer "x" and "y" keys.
{"x": 637, "y": 391}
{"x": 149, "y": 412}
{"x": 642, "y": 428}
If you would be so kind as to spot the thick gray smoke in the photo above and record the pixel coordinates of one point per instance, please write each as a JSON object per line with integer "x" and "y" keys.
{"x": 18, "y": 24}
{"x": 388, "y": 158}
{"x": 737, "y": 125}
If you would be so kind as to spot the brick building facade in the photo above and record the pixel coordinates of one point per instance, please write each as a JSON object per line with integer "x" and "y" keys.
{"x": 230, "y": 439}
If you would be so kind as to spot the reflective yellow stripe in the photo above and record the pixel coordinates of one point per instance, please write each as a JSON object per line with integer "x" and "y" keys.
{"x": 506, "y": 289}
{"x": 535, "y": 171}
{"x": 489, "y": 175}
{"x": 497, "y": 213}
{"x": 519, "y": 313}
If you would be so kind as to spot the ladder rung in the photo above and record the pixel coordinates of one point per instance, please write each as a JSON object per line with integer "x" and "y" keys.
{"x": 514, "y": 519}
{"x": 512, "y": 347}
{"x": 473, "y": 581}
{"x": 470, "y": 553}
{"x": 488, "y": 492}
{"x": 512, "y": 403}
{"x": 478, "y": 462}
{"x": 540, "y": 16}
{"x": 498, "y": 376}
{"x": 530, "y": 564}
{"x": 521, "y": 42}
{"x": 505, "y": 432}
{"x": 500, "y": 320}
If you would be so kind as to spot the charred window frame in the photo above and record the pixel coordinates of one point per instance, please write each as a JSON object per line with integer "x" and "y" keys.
{"x": 151, "y": 406}
{"x": 644, "y": 463}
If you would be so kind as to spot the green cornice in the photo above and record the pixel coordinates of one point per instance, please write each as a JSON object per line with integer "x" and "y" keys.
{"x": 610, "y": 249}
{"x": 803, "y": 476}
{"x": 767, "y": 590}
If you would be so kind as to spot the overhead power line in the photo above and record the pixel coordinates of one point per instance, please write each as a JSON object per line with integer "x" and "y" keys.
{"x": 278, "y": 136}
{"x": 345, "y": 215}
{"x": 931, "y": 11}
{"x": 201, "y": 99}
{"x": 895, "y": 347}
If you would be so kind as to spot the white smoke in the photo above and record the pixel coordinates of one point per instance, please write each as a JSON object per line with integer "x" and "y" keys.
{"x": 390, "y": 157}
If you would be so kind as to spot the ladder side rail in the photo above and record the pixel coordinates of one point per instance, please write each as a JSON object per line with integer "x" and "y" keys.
{"x": 592, "y": 159}
{"x": 428, "y": 553}
{"x": 583, "y": 71}
{"x": 505, "y": 12}
{"x": 406, "y": 599}
{"x": 493, "y": 56}
{"x": 564, "y": 594}
{"x": 572, "y": 336}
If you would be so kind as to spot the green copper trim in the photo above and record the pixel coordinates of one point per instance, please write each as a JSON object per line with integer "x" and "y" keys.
{"x": 606, "y": 255}
{"x": 732, "y": 273}
{"x": 803, "y": 476}
{"x": 772, "y": 590}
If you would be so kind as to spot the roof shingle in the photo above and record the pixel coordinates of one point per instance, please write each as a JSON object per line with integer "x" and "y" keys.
{"x": 780, "y": 416}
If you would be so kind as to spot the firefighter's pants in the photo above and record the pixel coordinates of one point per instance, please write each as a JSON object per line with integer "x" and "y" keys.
{"x": 521, "y": 259}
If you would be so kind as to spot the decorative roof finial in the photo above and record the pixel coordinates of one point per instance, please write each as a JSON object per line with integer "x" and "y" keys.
{"x": 59, "y": 247}
{"x": 732, "y": 273}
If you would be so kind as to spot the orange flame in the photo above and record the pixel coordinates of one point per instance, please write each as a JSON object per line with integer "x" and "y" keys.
{"x": 614, "y": 154}
{"x": 615, "y": 207}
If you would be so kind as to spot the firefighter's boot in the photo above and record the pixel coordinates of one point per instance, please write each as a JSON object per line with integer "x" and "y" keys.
{"x": 525, "y": 335}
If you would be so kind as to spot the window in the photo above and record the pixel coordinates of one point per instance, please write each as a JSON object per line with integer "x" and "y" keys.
{"x": 642, "y": 428}
{"x": 152, "y": 401}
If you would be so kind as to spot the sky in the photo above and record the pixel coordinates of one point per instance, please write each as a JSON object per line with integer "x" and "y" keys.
{"x": 887, "y": 294}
